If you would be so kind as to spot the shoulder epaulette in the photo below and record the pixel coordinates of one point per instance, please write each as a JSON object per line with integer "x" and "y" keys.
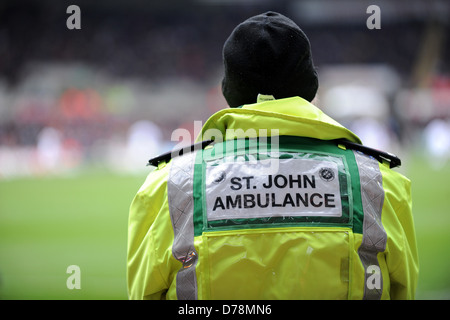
{"x": 381, "y": 156}
{"x": 166, "y": 157}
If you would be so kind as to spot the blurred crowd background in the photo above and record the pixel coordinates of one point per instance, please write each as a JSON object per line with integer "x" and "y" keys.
{"x": 111, "y": 94}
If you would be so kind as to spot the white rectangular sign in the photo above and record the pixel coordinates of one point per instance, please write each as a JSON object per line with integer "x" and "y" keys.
{"x": 301, "y": 187}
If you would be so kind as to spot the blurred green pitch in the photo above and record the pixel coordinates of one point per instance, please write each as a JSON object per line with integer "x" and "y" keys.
{"x": 48, "y": 224}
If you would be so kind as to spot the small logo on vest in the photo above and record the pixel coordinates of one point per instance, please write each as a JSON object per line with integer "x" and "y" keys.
{"x": 326, "y": 174}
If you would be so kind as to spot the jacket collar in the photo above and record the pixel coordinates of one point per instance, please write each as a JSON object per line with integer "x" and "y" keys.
{"x": 291, "y": 116}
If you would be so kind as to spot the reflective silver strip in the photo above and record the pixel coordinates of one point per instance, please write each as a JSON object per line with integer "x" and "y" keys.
{"x": 374, "y": 236}
{"x": 181, "y": 207}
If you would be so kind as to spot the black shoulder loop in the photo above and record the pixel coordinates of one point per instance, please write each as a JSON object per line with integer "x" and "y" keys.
{"x": 381, "y": 156}
{"x": 166, "y": 157}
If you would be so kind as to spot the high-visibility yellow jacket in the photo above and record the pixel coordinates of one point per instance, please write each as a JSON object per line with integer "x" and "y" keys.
{"x": 276, "y": 208}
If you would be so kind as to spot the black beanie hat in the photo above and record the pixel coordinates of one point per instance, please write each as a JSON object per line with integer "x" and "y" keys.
{"x": 267, "y": 54}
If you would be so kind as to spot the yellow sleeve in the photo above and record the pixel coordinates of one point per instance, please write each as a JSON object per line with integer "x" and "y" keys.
{"x": 401, "y": 250}
{"x": 149, "y": 242}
